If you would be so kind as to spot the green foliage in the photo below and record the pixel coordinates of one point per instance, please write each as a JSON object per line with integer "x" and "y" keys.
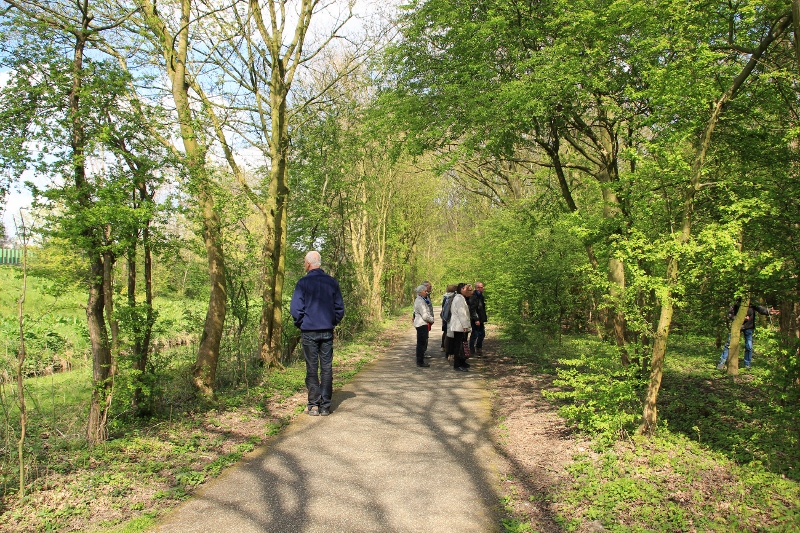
{"x": 601, "y": 397}
{"x": 670, "y": 484}
{"x": 724, "y": 458}
{"x": 512, "y": 525}
{"x": 751, "y": 420}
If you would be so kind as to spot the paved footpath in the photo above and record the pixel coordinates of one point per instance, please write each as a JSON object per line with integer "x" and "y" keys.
{"x": 405, "y": 449}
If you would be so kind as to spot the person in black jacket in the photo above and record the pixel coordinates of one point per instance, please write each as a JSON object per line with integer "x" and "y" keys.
{"x": 748, "y": 327}
{"x": 317, "y": 306}
{"x": 477, "y": 311}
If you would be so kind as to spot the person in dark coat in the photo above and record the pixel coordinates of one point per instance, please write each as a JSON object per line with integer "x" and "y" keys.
{"x": 477, "y": 311}
{"x": 317, "y": 306}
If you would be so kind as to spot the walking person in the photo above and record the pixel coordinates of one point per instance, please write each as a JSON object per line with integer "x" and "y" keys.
{"x": 423, "y": 318}
{"x": 477, "y": 310}
{"x": 459, "y": 326}
{"x": 748, "y": 328}
{"x": 317, "y": 306}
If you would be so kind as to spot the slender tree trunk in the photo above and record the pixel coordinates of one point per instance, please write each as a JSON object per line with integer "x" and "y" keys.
{"x": 205, "y": 367}
{"x": 97, "y": 429}
{"x": 101, "y": 355}
{"x": 108, "y": 293}
{"x": 274, "y": 255}
{"x": 736, "y": 333}
{"x": 23, "y": 413}
{"x": 650, "y": 415}
{"x": 612, "y": 210}
{"x": 553, "y": 151}
{"x": 136, "y": 326}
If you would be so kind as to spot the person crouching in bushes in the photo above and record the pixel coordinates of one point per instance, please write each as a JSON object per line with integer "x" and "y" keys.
{"x": 423, "y": 318}
{"x": 459, "y": 326}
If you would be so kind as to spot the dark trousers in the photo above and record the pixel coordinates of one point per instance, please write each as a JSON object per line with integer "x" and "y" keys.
{"x": 422, "y": 343}
{"x": 459, "y": 337}
{"x": 318, "y": 350}
{"x": 476, "y": 337}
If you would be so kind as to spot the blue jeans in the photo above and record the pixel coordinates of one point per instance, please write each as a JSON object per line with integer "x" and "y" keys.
{"x": 476, "y": 337}
{"x": 748, "y": 348}
{"x": 318, "y": 350}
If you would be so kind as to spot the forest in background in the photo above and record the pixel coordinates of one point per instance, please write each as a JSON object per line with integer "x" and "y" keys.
{"x": 616, "y": 169}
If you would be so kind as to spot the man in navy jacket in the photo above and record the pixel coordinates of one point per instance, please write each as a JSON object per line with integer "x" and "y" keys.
{"x": 317, "y": 306}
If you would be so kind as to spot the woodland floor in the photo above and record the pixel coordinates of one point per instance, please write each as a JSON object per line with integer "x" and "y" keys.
{"x": 533, "y": 442}
{"x": 104, "y": 492}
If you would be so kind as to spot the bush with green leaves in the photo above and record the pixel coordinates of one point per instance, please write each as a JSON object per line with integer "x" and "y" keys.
{"x": 601, "y": 396}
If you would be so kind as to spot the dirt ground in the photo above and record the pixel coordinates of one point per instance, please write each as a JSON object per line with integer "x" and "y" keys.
{"x": 534, "y": 443}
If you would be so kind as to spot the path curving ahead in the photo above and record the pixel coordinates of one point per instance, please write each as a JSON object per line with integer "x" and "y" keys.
{"x": 405, "y": 449}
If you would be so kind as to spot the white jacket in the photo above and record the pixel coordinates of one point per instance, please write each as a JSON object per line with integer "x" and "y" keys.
{"x": 422, "y": 313}
{"x": 459, "y": 316}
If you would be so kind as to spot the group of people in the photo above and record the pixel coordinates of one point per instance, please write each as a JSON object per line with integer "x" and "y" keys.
{"x": 463, "y": 318}
{"x": 317, "y": 307}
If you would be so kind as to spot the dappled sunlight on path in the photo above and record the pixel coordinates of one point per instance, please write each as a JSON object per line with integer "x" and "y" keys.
{"x": 406, "y": 449}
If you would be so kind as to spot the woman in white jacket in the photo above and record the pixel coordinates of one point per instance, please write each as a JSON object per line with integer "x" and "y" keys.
{"x": 459, "y": 325}
{"x": 423, "y": 318}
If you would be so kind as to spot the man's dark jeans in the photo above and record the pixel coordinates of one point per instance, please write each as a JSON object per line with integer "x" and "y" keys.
{"x": 318, "y": 349}
{"x": 476, "y": 337}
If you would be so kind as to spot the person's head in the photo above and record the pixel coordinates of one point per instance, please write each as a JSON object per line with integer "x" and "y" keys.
{"x": 452, "y": 288}
{"x": 479, "y": 286}
{"x": 422, "y": 290}
{"x": 428, "y": 284}
{"x": 312, "y": 260}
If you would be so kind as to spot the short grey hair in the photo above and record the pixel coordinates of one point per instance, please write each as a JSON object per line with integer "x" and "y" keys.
{"x": 314, "y": 259}
{"x": 421, "y": 288}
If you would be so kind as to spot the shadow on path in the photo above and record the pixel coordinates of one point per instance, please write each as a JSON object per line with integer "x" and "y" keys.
{"x": 406, "y": 449}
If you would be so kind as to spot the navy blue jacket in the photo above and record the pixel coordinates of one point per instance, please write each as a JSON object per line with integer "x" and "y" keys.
{"x": 317, "y": 303}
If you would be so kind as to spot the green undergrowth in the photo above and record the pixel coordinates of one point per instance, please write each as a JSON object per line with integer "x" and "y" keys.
{"x": 725, "y": 456}
{"x": 148, "y": 464}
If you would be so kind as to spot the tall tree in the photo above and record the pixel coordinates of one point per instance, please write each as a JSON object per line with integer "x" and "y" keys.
{"x": 174, "y": 46}
{"x": 263, "y": 51}
{"x": 774, "y": 28}
{"x": 80, "y": 79}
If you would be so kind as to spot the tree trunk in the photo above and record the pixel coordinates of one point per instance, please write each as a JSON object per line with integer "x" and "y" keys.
{"x": 175, "y": 51}
{"x": 616, "y": 269}
{"x": 205, "y": 367}
{"x": 23, "y": 413}
{"x": 108, "y": 293}
{"x": 97, "y": 430}
{"x": 275, "y": 222}
{"x": 736, "y": 332}
{"x": 650, "y": 414}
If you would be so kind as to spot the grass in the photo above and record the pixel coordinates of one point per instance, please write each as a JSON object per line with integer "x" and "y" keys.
{"x": 725, "y": 458}
{"x": 56, "y": 335}
{"x": 148, "y": 465}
